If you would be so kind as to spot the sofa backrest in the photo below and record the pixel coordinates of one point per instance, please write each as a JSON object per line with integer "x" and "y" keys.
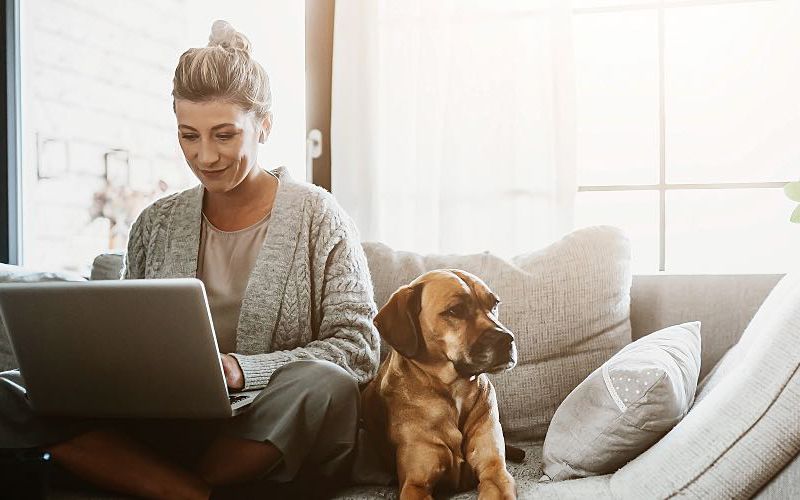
{"x": 724, "y": 304}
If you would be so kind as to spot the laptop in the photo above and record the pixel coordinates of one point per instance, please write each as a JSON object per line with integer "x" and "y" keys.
{"x": 118, "y": 348}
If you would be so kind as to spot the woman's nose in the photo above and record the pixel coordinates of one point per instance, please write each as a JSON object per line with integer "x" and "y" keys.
{"x": 208, "y": 154}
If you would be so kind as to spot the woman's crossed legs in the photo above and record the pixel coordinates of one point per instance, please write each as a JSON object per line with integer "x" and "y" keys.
{"x": 305, "y": 417}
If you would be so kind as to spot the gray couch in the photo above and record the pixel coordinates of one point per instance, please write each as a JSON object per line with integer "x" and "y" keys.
{"x": 725, "y": 304}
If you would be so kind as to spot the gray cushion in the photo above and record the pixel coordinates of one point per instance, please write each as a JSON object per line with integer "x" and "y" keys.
{"x": 107, "y": 266}
{"x": 568, "y": 305}
{"x": 525, "y": 474}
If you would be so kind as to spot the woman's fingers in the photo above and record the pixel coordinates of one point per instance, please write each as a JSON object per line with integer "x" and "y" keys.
{"x": 233, "y": 372}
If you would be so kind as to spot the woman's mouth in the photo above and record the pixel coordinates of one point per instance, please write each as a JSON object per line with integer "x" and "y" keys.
{"x": 214, "y": 173}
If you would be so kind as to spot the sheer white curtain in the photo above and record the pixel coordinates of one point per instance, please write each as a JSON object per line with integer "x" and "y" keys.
{"x": 453, "y": 126}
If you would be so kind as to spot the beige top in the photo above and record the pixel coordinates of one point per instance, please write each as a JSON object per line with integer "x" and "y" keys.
{"x": 224, "y": 262}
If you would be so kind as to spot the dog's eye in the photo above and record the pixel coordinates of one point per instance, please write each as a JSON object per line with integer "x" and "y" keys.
{"x": 455, "y": 311}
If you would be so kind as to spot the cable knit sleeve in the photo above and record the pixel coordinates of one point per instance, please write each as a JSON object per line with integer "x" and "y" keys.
{"x": 351, "y": 340}
{"x": 346, "y": 308}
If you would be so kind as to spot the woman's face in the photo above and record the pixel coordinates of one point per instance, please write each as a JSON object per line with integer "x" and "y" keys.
{"x": 219, "y": 140}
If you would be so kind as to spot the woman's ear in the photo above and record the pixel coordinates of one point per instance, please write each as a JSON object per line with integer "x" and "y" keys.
{"x": 266, "y": 127}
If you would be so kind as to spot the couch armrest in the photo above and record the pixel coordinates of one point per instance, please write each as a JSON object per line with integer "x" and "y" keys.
{"x": 786, "y": 484}
{"x": 723, "y": 303}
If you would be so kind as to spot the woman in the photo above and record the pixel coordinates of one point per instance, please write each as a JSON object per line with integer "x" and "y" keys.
{"x": 290, "y": 297}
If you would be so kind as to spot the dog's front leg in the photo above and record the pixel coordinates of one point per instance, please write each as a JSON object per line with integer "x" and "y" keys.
{"x": 419, "y": 468}
{"x": 486, "y": 455}
{"x": 496, "y": 482}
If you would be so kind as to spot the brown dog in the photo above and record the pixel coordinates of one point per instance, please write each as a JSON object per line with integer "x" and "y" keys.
{"x": 431, "y": 409}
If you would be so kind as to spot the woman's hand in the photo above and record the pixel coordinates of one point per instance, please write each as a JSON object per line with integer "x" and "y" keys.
{"x": 233, "y": 372}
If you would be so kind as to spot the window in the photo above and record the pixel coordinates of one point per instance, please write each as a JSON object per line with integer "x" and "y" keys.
{"x": 688, "y": 126}
{"x": 98, "y": 134}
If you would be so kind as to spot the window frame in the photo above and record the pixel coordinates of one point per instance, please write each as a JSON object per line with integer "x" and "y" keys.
{"x": 663, "y": 186}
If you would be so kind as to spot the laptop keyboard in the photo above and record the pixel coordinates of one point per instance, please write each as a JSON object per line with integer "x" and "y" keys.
{"x": 236, "y": 399}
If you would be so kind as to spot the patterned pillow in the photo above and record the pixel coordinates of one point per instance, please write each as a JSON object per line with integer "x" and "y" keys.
{"x": 625, "y": 406}
{"x": 568, "y": 305}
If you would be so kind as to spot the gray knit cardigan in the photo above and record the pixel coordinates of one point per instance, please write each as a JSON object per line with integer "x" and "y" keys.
{"x": 309, "y": 295}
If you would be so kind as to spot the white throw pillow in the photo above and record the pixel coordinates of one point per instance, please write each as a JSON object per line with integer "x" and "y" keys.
{"x": 625, "y": 406}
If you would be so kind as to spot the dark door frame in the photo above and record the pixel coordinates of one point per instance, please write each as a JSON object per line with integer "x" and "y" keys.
{"x": 10, "y": 239}
{"x": 319, "y": 55}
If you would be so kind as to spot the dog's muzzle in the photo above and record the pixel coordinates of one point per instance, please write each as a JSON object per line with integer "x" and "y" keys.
{"x": 494, "y": 351}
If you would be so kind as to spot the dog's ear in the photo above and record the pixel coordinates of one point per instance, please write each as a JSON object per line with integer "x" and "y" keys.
{"x": 398, "y": 321}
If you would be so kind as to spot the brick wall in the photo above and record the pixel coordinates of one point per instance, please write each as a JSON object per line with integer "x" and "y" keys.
{"x": 99, "y": 139}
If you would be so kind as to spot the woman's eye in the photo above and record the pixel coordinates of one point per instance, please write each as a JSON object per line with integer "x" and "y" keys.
{"x": 189, "y": 137}
{"x": 224, "y": 137}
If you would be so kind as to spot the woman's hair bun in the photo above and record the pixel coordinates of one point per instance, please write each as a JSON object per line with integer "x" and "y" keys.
{"x": 225, "y": 36}
{"x": 224, "y": 70}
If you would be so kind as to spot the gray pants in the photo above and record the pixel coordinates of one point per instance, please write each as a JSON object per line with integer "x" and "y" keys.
{"x": 309, "y": 411}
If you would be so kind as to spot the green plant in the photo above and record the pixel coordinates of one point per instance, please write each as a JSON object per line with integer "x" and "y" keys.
{"x": 792, "y": 190}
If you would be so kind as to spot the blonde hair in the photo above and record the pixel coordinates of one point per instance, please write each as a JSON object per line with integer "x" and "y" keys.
{"x": 223, "y": 70}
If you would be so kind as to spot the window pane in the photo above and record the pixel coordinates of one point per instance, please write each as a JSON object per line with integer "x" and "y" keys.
{"x": 732, "y": 108}
{"x": 635, "y": 212}
{"x": 730, "y": 231}
{"x": 99, "y": 135}
{"x": 616, "y": 70}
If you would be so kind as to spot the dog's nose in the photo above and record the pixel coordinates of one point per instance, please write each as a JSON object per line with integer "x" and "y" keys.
{"x": 500, "y": 339}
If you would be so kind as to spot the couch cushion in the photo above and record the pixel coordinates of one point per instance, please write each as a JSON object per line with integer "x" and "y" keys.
{"x": 107, "y": 266}
{"x": 568, "y": 305}
{"x": 625, "y": 406}
{"x": 744, "y": 426}
{"x": 525, "y": 474}
{"x": 17, "y": 274}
